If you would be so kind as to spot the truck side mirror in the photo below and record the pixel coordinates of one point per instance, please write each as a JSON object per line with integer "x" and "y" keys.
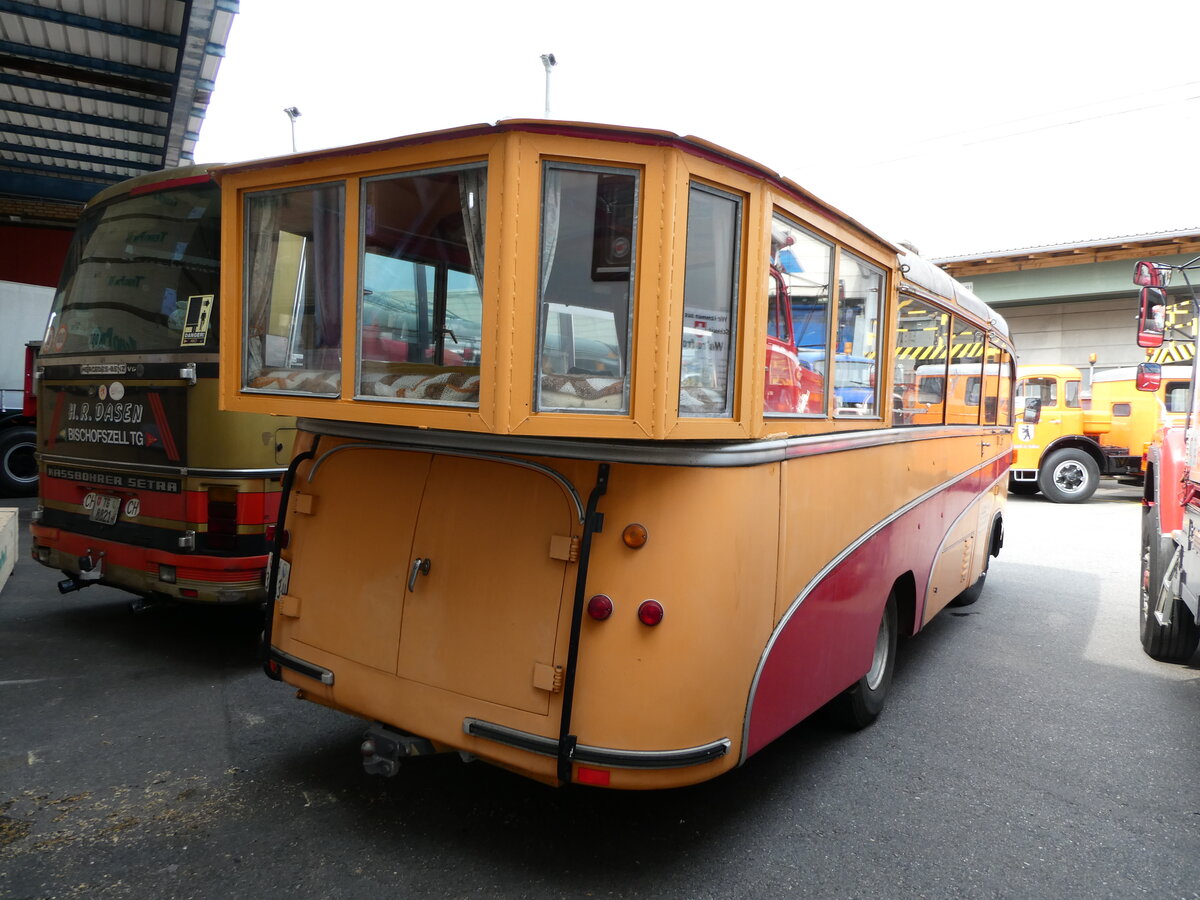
{"x": 1149, "y": 274}
{"x": 1149, "y": 377}
{"x": 1033, "y": 411}
{"x": 1152, "y": 317}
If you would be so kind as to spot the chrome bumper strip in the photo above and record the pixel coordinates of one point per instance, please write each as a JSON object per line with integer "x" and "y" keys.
{"x": 311, "y": 670}
{"x": 600, "y": 756}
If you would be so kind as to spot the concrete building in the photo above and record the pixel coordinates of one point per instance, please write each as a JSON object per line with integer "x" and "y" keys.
{"x": 1067, "y": 302}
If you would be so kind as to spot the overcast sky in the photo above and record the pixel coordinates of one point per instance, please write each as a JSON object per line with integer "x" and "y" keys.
{"x": 962, "y": 126}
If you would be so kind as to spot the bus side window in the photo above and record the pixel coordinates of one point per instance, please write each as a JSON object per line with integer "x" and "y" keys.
{"x": 710, "y": 299}
{"x": 922, "y": 348}
{"x": 798, "y": 314}
{"x": 421, "y": 265}
{"x": 965, "y": 382}
{"x": 860, "y": 308}
{"x": 293, "y": 300}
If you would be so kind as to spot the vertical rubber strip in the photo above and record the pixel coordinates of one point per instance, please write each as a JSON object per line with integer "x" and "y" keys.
{"x": 285, "y": 490}
{"x": 566, "y": 740}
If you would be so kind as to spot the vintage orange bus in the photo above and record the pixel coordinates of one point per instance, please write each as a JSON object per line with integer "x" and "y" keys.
{"x": 144, "y": 484}
{"x": 572, "y": 493}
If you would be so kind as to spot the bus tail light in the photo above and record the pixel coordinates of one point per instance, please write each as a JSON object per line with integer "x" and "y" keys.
{"x": 635, "y": 536}
{"x": 600, "y": 607}
{"x": 587, "y": 775}
{"x": 222, "y": 518}
{"x": 650, "y": 612}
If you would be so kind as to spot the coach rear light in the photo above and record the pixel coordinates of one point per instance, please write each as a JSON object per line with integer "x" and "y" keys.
{"x": 600, "y": 607}
{"x": 635, "y": 536}
{"x": 166, "y": 574}
{"x": 650, "y": 612}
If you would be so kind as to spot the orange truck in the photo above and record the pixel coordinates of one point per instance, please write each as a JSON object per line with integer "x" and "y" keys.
{"x": 1064, "y": 441}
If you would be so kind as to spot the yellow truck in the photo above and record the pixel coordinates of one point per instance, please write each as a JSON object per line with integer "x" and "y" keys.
{"x": 1065, "y": 442}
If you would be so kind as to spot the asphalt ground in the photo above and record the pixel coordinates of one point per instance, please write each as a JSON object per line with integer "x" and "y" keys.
{"x": 1029, "y": 749}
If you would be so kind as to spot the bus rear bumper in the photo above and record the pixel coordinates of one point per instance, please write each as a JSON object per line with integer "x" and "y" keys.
{"x": 147, "y": 572}
{"x": 600, "y": 756}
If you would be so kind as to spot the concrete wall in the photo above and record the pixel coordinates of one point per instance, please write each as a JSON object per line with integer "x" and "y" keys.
{"x": 1066, "y": 333}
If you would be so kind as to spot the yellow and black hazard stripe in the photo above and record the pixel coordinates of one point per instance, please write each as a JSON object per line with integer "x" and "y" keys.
{"x": 1173, "y": 351}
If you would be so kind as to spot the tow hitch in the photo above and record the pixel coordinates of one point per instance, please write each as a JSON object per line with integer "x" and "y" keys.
{"x": 90, "y": 571}
{"x": 383, "y": 748}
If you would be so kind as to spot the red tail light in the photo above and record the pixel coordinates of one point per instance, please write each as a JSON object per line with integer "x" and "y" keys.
{"x": 650, "y": 612}
{"x": 222, "y": 518}
{"x": 600, "y": 607}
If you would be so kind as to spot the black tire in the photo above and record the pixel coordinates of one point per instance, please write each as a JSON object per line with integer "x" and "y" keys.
{"x": 18, "y": 462}
{"x": 972, "y": 594}
{"x": 1178, "y": 641}
{"x": 1023, "y": 488}
{"x": 1068, "y": 476}
{"x": 862, "y": 703}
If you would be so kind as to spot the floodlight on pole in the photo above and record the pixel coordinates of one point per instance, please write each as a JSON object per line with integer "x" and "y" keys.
{"x": 549, "y": 62}
{"x": 293, "y": 114}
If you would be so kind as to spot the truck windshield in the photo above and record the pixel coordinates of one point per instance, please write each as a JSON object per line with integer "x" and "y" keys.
{"x": 135, "y": 267}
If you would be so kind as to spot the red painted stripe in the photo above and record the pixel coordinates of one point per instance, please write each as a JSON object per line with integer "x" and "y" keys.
{"x": 210, "y": 569}
{"x": 164, "y": 428}
{"x": 827, "y": 642}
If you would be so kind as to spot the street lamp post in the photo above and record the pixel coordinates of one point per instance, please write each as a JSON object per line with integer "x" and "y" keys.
{"x": 549, "y": 62}
{"x": 293, "y": 114}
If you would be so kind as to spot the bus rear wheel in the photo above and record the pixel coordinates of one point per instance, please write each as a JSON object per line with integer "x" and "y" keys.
{"x": 1069, "y": 476}
{"x": 1167, "y": 643}
{"x": 861, "y": 705}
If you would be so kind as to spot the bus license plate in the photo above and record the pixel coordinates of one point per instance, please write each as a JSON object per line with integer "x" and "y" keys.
{"x": 106, "y": 509}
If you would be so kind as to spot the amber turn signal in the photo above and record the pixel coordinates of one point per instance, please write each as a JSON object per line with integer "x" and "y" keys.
{"x": 635, "y": 536}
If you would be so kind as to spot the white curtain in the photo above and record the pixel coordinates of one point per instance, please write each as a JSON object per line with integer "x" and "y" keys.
{"x": 472, "y": 190}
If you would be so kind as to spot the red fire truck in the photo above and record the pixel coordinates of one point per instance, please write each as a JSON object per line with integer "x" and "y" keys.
{"x": 1170, "y": 574}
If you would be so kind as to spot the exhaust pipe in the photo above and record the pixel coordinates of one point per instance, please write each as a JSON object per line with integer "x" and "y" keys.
{"x": 67, "y": 585}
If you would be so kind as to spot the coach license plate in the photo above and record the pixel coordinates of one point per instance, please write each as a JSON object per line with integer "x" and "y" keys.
{"x": 105, "y": 509}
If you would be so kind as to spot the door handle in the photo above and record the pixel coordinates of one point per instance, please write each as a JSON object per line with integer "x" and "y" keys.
{"x": 419, "y": 567}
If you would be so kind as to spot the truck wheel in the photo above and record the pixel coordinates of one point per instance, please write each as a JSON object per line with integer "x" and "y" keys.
{"x": 1167, "y": 643}
{"x": 1069, "y": 476}
{"x": 18, "y": 465}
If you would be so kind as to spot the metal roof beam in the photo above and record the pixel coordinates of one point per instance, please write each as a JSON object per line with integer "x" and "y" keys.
{"x": 74, "y": 90}
{"x": 82, "y": 118}
{"x": 99, "y": 79}
{"x": 80, "y": 139}
{"x": 89, "y": 23}
{"x": 63, "y": 171}
{"x": 87, "y": 63}
{"x": 195, "y": 48}
{"x": 25, "y": 184}
{"x": 77, "y": 157}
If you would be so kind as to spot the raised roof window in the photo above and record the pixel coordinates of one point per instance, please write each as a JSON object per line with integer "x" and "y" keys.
{"x": 421, "y": 313}
{"x": 589, "y": 219}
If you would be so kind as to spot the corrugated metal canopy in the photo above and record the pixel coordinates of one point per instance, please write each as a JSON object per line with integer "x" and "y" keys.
{"x": 96, "y": 91}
